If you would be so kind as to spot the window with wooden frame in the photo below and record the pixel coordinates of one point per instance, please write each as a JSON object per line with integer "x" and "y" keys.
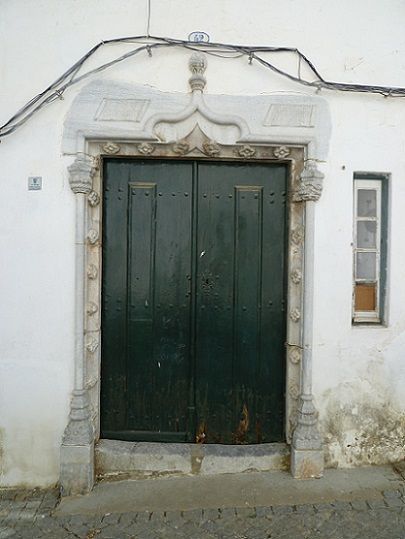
{"x": 370, "y": 247}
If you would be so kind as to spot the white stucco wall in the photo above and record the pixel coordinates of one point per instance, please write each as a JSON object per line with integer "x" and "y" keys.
{"x": 359, "y": 372}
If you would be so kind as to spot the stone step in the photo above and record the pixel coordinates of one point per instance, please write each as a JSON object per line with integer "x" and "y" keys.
{"x": 142, "y": 459}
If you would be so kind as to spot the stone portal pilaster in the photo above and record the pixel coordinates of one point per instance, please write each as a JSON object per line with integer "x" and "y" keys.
{"x": 77, "y": 449}
{"x": 307, "y": 459}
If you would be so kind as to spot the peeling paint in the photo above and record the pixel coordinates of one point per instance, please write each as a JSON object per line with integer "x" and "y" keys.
{"x": 375, "y": 434}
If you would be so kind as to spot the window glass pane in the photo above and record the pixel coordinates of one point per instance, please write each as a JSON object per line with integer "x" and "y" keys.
{"x": 366, "y": 234}
{"x": 366, "y": 203}
{"x": 365, "y": 297}
{"x": 365, "y": 267}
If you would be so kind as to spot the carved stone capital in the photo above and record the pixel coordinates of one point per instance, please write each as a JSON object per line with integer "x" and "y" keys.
{"x": 81, "y": 173}
{"x": 311, "y": 183}
{"x": 197, "y": 65}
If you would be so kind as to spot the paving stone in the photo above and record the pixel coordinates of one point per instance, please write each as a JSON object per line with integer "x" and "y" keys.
{"x": 266, "y": 512}
{"x": 323, "y": 507}
{"x": 6, "y": 532}
{"x": 304, "y": 508}
{"x": 391, "y": 494}
{"x": 143, "y": 516}
{"x": 246, "y": 512}
{"x": 210, "y": 514}
{"x": 194, "y": 515}
{"x": 359, "y": 505}
{"x": 383, "y": 518}
{"x": 127, "y": 519}
{"x": 227, "y": 512}
{"x": 376, "y": 504}
{"x": 341, "y": 506}
{"x": 395, "y": 502}
{"x": 282, "y": 509}
{"x": 110, "y": 518}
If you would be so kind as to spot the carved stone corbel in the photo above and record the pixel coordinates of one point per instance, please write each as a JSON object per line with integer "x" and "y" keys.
{"x": 310, "y": 185}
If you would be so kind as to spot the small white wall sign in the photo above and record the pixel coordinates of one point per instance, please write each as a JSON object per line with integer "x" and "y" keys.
{"x": 34, "y": 183}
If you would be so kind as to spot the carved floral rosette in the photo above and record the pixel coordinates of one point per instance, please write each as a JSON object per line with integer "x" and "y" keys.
{"x": 111, "y": 148}
{"x": 246, "y": 152}
{"x": 181, "y": 148}
{"x": 281, "y": 152}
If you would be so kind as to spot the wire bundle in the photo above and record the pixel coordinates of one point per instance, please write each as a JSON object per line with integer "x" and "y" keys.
{"x": 148, "y": 43}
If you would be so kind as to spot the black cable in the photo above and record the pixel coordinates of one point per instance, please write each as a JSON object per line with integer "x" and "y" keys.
{"x": 223, "y": 50}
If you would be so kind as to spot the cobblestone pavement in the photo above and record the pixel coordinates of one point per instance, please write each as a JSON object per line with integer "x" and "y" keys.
{"x": 28, "y": 515}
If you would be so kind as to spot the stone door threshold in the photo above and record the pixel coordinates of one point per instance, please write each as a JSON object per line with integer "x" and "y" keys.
{"x": 143, "y": 459}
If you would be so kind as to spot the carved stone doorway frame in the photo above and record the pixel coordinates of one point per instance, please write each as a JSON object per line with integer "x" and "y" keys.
{"x": 86, "y": 181}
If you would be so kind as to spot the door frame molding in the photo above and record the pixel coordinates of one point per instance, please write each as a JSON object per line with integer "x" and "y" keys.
{"x": 221, "y": 137}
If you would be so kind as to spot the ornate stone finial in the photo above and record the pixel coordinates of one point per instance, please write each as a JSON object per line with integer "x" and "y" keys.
{"x": 197, "y": 65}
{"x": 311, "y": 181}
{"x": 81, "y": 173}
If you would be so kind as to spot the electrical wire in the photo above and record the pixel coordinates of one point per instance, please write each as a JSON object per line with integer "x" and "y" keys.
{"x": 148, "y": 18}
{"x": 148, "y": 43}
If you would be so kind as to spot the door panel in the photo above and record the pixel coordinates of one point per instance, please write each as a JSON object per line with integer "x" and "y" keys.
{"x": 240, "y": 290}
{"x": 146, "y": 314}
{"x": 193, "y": 290}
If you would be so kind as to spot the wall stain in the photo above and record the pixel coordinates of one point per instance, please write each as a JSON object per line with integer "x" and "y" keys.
{"x": 197, "y": 457}
{"x": 363, "y": 433}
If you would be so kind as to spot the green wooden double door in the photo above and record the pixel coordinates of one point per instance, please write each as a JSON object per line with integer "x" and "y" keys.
{"x": 193, "y": 321}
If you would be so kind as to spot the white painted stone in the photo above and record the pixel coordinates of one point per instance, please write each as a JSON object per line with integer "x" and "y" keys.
{"x": 121, "y": 110}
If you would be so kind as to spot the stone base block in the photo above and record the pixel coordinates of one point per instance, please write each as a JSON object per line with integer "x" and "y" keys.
{"x": 76, "y": 469}
{"x": 307, "y": 463}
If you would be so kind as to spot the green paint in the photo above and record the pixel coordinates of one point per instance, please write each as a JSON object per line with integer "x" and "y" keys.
{"x": 193, "y": 301}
